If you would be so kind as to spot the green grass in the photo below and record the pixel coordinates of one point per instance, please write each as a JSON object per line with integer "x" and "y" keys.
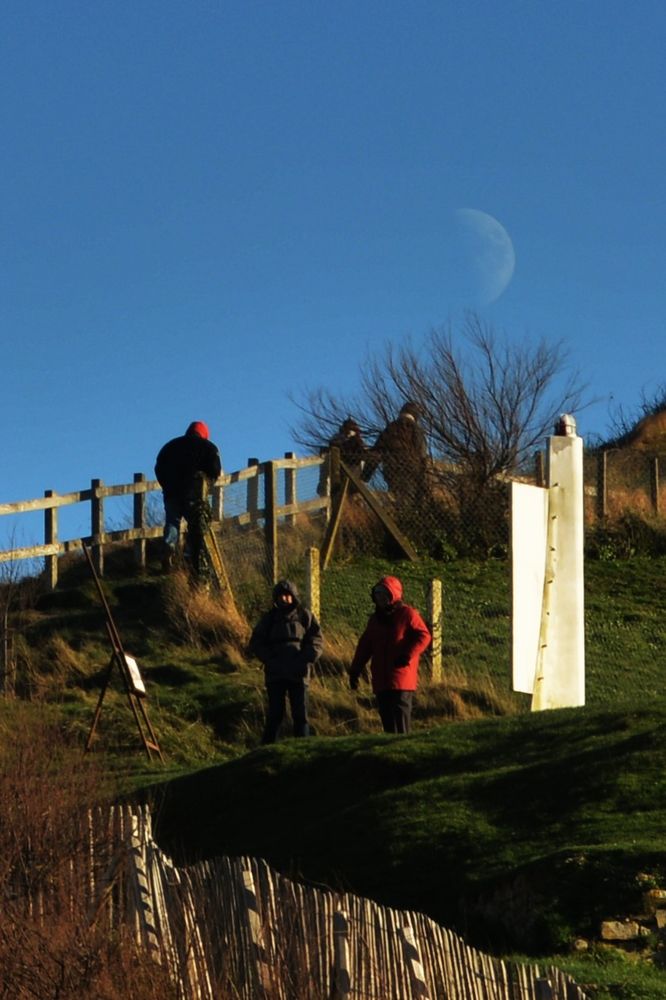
{"x": 522, "y": 831}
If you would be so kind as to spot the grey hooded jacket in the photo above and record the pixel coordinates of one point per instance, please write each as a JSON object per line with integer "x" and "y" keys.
{"x": 288, "y": 641}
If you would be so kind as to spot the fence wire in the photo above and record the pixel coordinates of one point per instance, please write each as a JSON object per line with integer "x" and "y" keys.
{"x": 456, "y": 528}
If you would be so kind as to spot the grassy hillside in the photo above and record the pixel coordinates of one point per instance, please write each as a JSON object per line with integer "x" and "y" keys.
{"x": 522, "y": 831}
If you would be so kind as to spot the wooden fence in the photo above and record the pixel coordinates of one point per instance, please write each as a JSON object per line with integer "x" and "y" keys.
{"x": 603, "y": 488}
{"x": 234, "y": 927}
{"x": 271, "y": 498}
{"x": 265, "y": 511}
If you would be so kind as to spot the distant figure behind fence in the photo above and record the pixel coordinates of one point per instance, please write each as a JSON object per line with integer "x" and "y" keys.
{"x": 402, "y": 452}
{"x": 353, "y": 450}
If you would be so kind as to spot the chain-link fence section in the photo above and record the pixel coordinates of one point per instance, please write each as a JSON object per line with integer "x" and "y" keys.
{"x": 623, "y": 481}
{"x": 437, "y": 523}
{"x": 420, "y": 520}
{"x": 419, "y": 529}
{"x": 267, "y": 516}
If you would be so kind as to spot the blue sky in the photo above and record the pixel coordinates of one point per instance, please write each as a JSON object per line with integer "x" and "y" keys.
{"x": 206, "y": 205}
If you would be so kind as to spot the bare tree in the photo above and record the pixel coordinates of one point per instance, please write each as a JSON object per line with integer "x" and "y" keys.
{"x": 486, "y": 402}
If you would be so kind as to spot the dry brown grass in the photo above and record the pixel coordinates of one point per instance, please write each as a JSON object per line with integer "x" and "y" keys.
{"x": 49, "y": 945}
{"x": 206, "y": 619}
{"x": 457, "y": 698}
{"x": 335, "y": 710}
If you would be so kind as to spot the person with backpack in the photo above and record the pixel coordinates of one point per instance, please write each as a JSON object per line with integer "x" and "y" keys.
{"x": 186, "y": 468}
{"x": 402, "y": 453}
{"x": 288, "y": 641}
{"x": 393, "y": 640}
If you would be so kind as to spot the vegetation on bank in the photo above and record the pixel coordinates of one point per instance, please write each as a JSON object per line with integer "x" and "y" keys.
{"x": 521, "y": 831}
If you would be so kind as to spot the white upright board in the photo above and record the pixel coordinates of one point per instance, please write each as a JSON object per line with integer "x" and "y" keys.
{"x": 529, "y": 513}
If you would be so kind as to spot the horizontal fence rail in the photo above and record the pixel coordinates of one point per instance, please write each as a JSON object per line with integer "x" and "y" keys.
{"x": 276, "y": 501}
{"x": 269, "y": 496}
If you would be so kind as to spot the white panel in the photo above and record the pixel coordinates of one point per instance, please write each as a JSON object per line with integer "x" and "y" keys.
{"x": 529, "y": 509}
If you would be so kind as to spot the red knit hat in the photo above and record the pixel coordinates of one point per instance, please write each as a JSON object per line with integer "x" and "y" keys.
{"x": 199, "y": 428}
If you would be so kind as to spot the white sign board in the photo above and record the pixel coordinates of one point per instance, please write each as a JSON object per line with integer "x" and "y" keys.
{"x": 135, "y": 677}
{"x": 529, "y": 514}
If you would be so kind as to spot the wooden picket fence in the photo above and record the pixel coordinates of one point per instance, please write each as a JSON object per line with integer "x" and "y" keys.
{"x": 234, "y": 927}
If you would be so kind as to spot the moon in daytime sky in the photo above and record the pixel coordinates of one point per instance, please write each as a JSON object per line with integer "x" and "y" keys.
{"x": 488, "y": 253}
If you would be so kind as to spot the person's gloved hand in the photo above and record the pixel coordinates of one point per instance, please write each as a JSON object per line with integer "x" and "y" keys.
{"x": 353, "y": 682}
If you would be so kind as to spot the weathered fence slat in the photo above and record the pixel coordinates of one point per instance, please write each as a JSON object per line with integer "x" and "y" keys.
{"x": 237, "y": 922}
{"x": 413, "y": 962}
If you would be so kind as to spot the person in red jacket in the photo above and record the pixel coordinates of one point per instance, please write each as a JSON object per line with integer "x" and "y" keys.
{"x": 393, "y": 641}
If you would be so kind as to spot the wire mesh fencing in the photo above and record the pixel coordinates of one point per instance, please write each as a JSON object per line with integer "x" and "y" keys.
{"x": 418, "y": 519}
{"x": 442, "y": 525}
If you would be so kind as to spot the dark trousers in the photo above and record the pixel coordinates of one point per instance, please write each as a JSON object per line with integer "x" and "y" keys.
{"x": 197, "y": 514}
{"x": 395, "y": 710}
{"x": 278, "y": 691}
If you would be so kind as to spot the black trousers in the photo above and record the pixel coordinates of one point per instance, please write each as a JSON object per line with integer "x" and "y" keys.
{"x": 395, "y": 710}
{"x": 278, "y": 691}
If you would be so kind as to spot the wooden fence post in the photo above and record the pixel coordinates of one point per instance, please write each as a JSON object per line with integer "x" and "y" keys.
{"x": 8, "y": 658}
{"x": 435, "y": 619}
{"x": 654, "y": 485}
{"x": 256, "y": 932}
{"x": 290, "y": 487}
{"x": 140, "y": 522}
{"x": 341, "y": 970}
{"x": 97, "y": 524}
{"x": 334, "y": 469}
{"x": 543, "y": 989}
{"x": 324, "y": 484}
{"x": 539, "y": 469}
{"x": 252, "y": 500}
{"x": 51, "y": 538}
{"x": 602, "y": 485}
{"x": 313, "y": 582}
{"x": 218, "y": 502}
{"x": 147, "y": 931}
{"x": 270, "y": 515}
{"x": 413, "y": 962}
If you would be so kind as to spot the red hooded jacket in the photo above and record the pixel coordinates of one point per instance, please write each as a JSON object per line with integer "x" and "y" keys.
{"x": 393, "y": 641}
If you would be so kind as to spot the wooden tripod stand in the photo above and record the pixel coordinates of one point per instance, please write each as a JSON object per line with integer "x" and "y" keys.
{"x": 131, "y": 677}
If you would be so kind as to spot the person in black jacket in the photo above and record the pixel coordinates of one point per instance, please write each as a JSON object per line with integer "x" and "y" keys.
{"x": 288, "y": 641}
{"x": 181, "y": 466}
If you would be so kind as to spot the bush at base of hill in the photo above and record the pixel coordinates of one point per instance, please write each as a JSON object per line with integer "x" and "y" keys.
{"x": 626, "y": 536}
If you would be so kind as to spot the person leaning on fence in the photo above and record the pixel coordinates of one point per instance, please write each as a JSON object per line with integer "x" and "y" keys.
{"x": 393, "y": 641}
{"x": 402, "y": 452}
{"x": 288, "y": 641}
{"x": 186, "y": 468}
{"x": 353, "y": 450}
